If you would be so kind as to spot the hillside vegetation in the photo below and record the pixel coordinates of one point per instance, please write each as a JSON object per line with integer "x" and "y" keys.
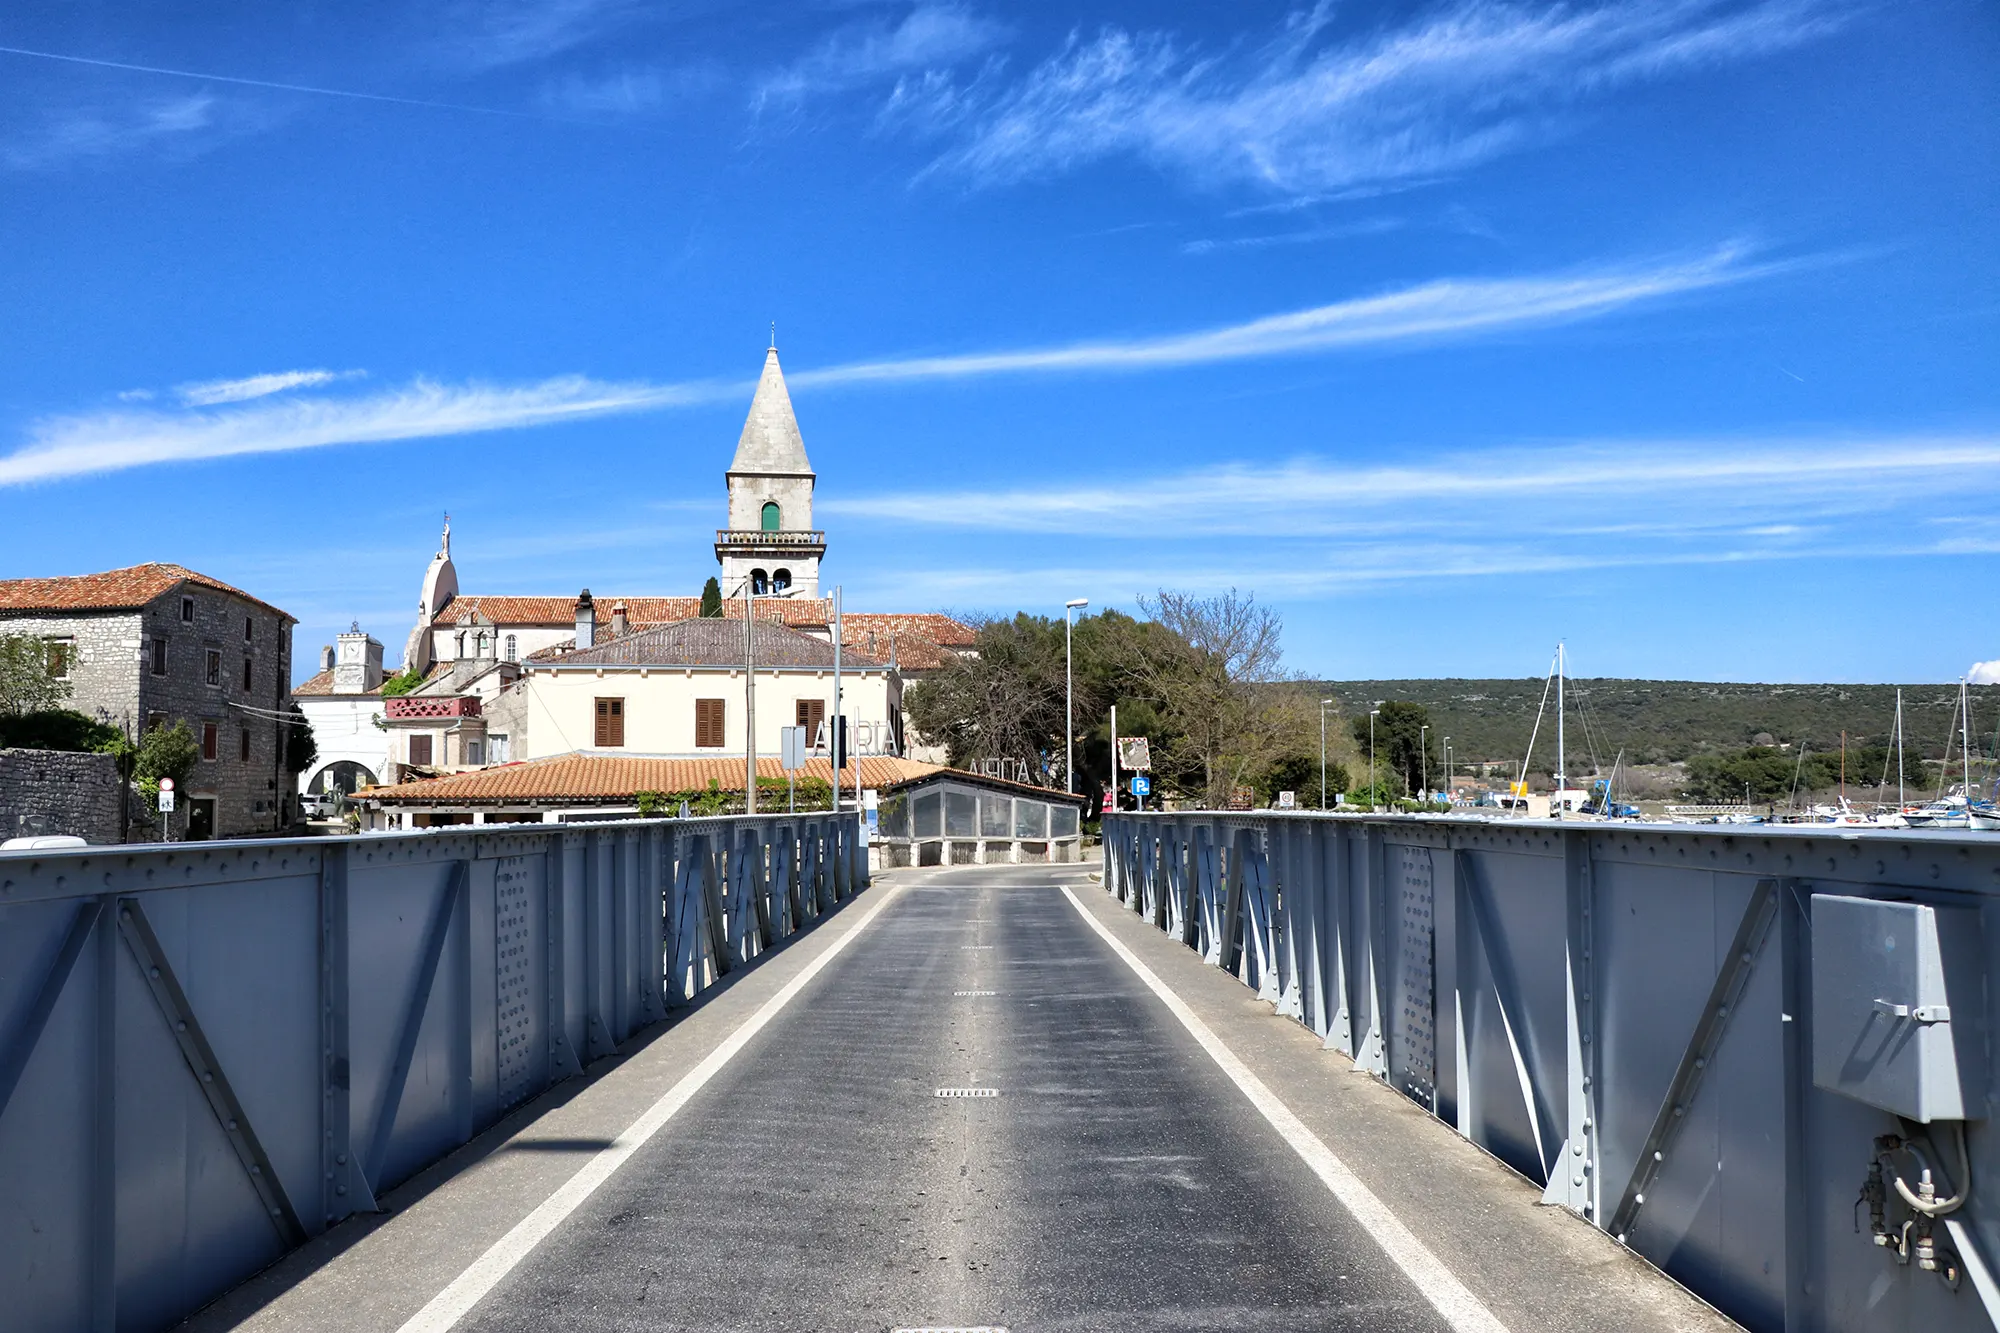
{"x": 1670, "y": 721}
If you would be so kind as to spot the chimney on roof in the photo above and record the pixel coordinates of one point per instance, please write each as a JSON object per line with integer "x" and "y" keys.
{"x": 326, "y": 657}
{"x": 620, "y": 626}
{"x": 586, "y": 620}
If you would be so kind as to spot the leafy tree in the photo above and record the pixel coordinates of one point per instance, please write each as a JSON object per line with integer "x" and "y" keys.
{"x": 300, "y": 747}
{"x": 1299, "y": 773}
{"x": 164, "y": 752}
{"x": 26, "y": 685}
{"x": 58, "y": 729}
{"x": 402, "y": 682}
{"x": 711, "y": 599}
{"x": 652, "y": 803}
{"x": 1401, "y": 742}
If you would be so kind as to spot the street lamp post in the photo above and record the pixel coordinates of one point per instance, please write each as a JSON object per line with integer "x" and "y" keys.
{"x": 1069, "y": 694}
{"x": 1424, "y": 759}
{"x": 1373, "y": 713}
{"x": 1447, "y": 770}
{"x": 1324, "y": 704}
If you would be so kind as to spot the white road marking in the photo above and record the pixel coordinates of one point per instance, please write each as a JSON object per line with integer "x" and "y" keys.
{"x": 975, "y": 992}
{"x": 466, "y": 1290}
{"x": 1465, "y": 1312}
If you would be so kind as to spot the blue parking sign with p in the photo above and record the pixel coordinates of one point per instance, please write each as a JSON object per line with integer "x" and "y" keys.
{"x": 1141, "y": 785}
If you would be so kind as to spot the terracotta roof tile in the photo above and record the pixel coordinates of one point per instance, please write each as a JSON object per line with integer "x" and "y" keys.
{"x": 925, "y": 642}
{"x": 113, "y": 590}
{"x": 557, "y": 611}
{"x": 713, "y": 643}
{"x": 586, "y": 777}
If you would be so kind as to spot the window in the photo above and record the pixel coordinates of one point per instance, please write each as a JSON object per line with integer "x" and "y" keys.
{"x": 513, "y": 649}
{"x": 154, "y": 721}
{"x": 246, "y": 675}
{"x": 810, "y": 714}
{"x": 159, "y": 657}
{"x": 420, "y": 750}
{"x": 249, "y": 629}
{"x": 781, "y": 579}
{"x": 960, "y": 814}
{"x": 214, "y": 667}
{"x": 610, "y": 723}
{"x": 708, "y": 715}
{"x": 209, "y": 735}
{"x": 496, "y": 749}
{"x": 187, "y": 610}
{"x": 243, "y": 747}
{"x": 59, "y": 653}
{"x": 473, "y": 750}
{"x": 760, "y": 582}
{"x": 479, "y": 642}
{"x": 771, "y": 515}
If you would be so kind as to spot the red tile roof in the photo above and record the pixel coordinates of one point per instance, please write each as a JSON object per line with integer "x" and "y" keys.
{"x": 558, "y": 611}
{"x": 924, "y": 642}
{"x": 710, "y": 643}
{"x": 114, "y": 590}
{"x": 602, "y": 777}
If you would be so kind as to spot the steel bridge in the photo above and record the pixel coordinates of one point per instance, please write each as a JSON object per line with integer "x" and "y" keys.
{"x": 1260, "y": 1071}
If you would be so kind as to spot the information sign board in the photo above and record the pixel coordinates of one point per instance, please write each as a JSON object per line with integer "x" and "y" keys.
{"x": 1141, "y": 785}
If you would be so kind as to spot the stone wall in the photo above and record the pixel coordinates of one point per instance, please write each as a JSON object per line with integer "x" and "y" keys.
{"x": 54, "y": 791}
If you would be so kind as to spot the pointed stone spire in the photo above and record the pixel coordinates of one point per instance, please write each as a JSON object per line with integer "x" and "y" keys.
{"x": 770, "y": 443}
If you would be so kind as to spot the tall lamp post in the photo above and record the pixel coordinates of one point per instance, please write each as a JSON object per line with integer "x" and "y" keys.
{"x": 1373, "y": 713}
{"x": 1424, "y": 759}
{"x": 1070, "y": 609}
{"x": 1324, "y": 704}
{"x": 1447, "y": 770}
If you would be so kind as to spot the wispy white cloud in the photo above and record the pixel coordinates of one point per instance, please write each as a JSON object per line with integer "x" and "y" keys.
{"x": 99, "y": 132}
{"x": 211, "y": 393}
{"x": 1309, "y": 112}
{"x": 1435, "y": 310}
{"x": 494, "y": 34}
{"x": 1209, "y": 245}
{"x": 933, "y": 35}
{"x": 108, "y": 441}
{"x": 1321, "y": 527}
{"x": 232, "y": 418}
{"x": 1752, "y": 489}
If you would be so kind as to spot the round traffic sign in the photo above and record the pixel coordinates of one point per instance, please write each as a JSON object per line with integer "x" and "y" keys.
{"x": 166, "y": 784}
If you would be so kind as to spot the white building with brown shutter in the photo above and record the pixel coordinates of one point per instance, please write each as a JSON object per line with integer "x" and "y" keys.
{"x": 677, "y": 691}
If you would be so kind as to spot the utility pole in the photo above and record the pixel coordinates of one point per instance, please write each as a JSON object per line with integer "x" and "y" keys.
{"x": 1114, "y": 758}
{"x": 1323, "y": 703}
{"x": 1424, "y": 758}
{"x": 1069, "y": 695}
{"x": 1562, "y": 768}
{"x": 1447, "y": 771}
{"x": 749, "y": 697}
{"x": 833, "y": 727}
{"x": 1372, "y": 714}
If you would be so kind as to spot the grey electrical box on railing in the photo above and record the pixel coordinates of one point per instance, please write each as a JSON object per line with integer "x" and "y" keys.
{"x": 1898, "y": 1006}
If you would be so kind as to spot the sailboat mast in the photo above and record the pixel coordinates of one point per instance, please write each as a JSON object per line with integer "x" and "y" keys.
{"x": 1900, "y": 799}
{"x": 1562, "y": 768}
{"x": 1965, "y": 714}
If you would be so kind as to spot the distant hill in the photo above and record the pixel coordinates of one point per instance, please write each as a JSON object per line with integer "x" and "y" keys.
{"x": 1662, "y": 721}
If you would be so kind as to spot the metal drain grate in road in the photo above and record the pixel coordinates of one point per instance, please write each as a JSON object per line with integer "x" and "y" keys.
{"x": 975, "y": 992}
{"x": 968, "y": 1092}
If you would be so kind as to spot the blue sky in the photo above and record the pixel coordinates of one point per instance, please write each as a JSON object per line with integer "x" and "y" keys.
{"x": 1669, "y": 327}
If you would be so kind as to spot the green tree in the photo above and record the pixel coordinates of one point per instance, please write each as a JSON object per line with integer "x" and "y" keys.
{"x": 711, "y": 599}
{"x": 1401, "y": 741}
{"x": 164, "y": 752}
{"x": 402, "y": 682}
{"x": 26, "y": 683}
{"x": 58, "y": 729}
{"x": 1299, "y": 773}
{"x": 1761, "y": 773}
{"x": 300, "y": 747}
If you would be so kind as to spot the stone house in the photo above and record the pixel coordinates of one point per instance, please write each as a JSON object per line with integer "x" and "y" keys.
{"x": 157, "y": 643}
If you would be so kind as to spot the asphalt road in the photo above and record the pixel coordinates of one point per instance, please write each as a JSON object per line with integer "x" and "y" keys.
{"x": 1118, "y": 1181}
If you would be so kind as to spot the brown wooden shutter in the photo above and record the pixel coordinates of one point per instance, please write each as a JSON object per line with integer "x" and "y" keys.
{"x": 708, "y": 723}
{"x": 611, "y": 723}
{"x": 420, "y": 750}
{"x": 811, "y": 712}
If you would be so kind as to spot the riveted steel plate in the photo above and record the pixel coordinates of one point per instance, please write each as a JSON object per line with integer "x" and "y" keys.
{"x": 513, "y": 956}
{"x": 1413, "y": 1053}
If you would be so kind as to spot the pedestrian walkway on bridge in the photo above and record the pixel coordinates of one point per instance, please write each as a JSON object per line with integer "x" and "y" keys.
{"x": 972, "y": 1098}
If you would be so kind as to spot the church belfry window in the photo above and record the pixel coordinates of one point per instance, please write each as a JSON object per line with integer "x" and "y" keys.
{"x": 781, "y": 580}
{"x": 771, "y": 516}
{"x": 760, "y": 582}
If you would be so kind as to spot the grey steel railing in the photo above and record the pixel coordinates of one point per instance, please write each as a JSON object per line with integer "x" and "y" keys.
{"x": 1633, "y": 1017}
{"x": 210, "y": 1052}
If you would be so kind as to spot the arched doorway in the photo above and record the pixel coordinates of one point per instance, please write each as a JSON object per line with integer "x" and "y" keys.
{"x": 343, "y": 776}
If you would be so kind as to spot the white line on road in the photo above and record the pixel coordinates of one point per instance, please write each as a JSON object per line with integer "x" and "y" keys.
{"x": 1465, "y": 1312}
{"x": 451, "y": 1305}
